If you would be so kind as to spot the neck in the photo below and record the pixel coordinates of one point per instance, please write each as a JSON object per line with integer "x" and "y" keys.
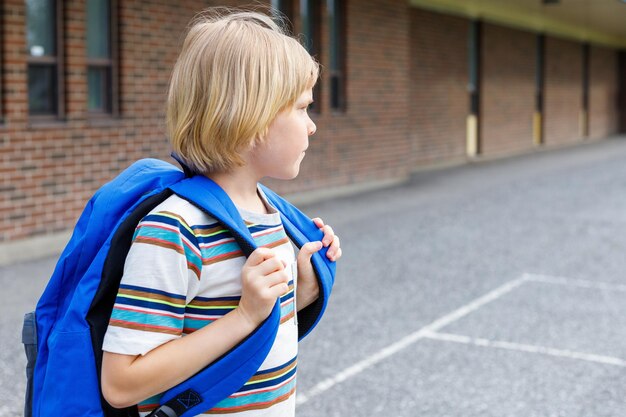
{"x": 241, "y": 186}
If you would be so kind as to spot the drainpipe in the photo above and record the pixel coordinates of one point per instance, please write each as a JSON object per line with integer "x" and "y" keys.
{"x": 621, "y": 105}
{"x": 584, "y": 112}
{"x": 473, "y": 119}
{"x": 539, "y": 89}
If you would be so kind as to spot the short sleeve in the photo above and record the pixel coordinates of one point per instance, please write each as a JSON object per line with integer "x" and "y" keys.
{"x": 150, "y": 305}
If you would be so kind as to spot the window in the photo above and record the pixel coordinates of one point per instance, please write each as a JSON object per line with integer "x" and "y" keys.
{"x": 310, "y": 25}
{"x": 101, "y": 57}
{"x": 337, "y": 23}
{"x": 45, "y": 58}
{"x": 310, "y": 14}
{"x": 285, "y": 7}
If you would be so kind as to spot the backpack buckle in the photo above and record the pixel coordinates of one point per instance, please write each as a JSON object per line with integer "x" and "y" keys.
{"x": 163, "y": 411}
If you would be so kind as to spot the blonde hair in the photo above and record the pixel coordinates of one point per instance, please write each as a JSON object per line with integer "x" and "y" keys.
{"x": 236, "y": 71}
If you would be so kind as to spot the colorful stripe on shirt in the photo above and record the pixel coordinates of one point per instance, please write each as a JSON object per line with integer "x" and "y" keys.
{"x": 148, "y": 405}
{"x": 263, "y": 390}
{"x": 149, "y": 310}
{"x": 287, "y": 309}
{"x": 268, "y": 236}
{"x": 202, "y": 311}
{"x": 202, "y": 244}
{"x": 170, "y": 231}
{"x": 217, "y": 244}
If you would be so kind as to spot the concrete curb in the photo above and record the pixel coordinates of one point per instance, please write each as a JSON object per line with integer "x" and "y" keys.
{"x": 40, "y": 247}
{"x": 50, "y": 245}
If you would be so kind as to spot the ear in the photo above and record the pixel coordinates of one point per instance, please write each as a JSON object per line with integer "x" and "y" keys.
{"x": 259, "y": 138}
{"x": 253, "y": 143}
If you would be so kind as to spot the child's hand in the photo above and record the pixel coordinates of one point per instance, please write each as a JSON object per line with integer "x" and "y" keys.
{"x": 308, "y": 289}
{"x": 329, "y": 239}
{"x": 264, "y": 279}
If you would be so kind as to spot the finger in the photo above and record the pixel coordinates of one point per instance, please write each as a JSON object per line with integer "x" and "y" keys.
{"x": 334, "y": 249}
{"x": 308, "y": 249}
{"x": 329, "y": 234}
{"x": 271, "y": 265}
{"x": 276, "y": 278}
{"x": 279, "y": 290}
{"x": 260, "y": 255}
{"x": 318, "y": 222}
{"x": 338, "y": 255}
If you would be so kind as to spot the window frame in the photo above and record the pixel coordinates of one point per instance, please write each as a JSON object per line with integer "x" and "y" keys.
{"x": 112, "y": 93}
{"x": 337, "y": 54}
{"x": 311, "y": 25}
{"x": 283, "y": 9}
{"x": 59, "y": 62}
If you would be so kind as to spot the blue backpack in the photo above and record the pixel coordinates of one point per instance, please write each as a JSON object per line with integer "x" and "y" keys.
{"x": 63, "y": 337}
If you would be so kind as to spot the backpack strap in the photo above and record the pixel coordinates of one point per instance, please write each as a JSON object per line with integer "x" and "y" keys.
{"x": 209, "y": 197}
{"x": 301, "y": 230}
{"x": 233, "y": 369}
{"x": 186, "y": 170}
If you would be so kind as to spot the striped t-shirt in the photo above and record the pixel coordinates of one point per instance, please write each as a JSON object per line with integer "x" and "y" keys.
{"x": 183, "y": 271}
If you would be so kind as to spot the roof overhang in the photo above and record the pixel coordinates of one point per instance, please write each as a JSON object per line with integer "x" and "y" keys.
{"x": 593, "y": 21}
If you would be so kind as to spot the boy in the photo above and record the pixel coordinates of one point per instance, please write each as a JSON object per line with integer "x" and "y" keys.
{"x": 236, "y": 112}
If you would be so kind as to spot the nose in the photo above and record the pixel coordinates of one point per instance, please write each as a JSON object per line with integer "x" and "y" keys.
{"x": 312, "y": 128}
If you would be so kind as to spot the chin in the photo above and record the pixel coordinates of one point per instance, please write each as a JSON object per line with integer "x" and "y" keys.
{"x": 291, "y": 175}
{"x": 287, "y": 173}
{"x": 285, "y": 176}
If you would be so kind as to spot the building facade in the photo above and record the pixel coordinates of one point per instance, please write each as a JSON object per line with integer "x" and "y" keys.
{"x": 83, "y": 85}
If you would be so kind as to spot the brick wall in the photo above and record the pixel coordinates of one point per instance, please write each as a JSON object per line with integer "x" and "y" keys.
{"x": 603, "y": 86}
{"x": 563, "y": 91}
{"x": 507, "y": 89}
{"x": 50, "y": 170}
{"x": 438, "y": 86}
{"x": 407, "y": 102}
{"x": 367, "y": 142}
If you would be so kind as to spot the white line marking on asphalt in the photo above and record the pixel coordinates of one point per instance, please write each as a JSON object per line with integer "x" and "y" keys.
{"x": 408, "y": 340}
{"x": 574, "y": 282}
{"x": 561, "y": 353}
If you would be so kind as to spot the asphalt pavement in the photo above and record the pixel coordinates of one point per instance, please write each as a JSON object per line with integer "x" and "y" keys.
{"x": 492, "y": 289}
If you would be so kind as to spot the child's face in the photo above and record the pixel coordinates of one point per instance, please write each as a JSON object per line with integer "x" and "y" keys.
{"x": 279, "y": 155}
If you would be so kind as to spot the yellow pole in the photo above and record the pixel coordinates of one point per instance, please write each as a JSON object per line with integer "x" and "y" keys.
{"x": 472, "y": 135}
{"x": 537, "y": 130}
